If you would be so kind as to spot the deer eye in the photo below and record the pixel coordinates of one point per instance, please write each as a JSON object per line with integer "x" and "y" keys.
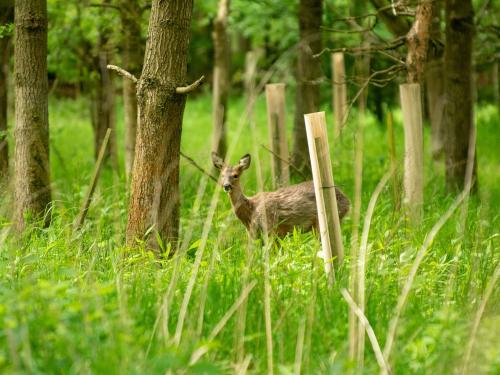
{"x": 235, "y": 176}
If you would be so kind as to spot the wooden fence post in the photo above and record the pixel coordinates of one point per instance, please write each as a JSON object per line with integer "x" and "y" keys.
{"x": 414, "y": 159}
{"x": 275, "y": 99}
{"x": 324, "y": 188}
{"x": 339, "y": 91}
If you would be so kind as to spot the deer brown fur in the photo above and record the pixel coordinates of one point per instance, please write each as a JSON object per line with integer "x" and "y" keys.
{"x": 275, "y": 212}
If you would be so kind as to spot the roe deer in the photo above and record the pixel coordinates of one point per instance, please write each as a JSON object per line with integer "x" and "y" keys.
{"x": 275, "y": 212}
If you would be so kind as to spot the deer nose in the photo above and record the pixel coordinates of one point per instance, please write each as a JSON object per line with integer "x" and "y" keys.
{"x": 227, "y": 187}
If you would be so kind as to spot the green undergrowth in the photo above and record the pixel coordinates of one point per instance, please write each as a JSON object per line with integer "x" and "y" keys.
{"x": 82, "y": 303}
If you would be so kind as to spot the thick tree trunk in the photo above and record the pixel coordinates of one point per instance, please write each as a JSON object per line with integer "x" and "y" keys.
{"x": 130, "y": 12}
{"x": 32, "y": 177}
{"x": 458, "y": 118}
{"x": 154, "y": 201}
{"x": 307, "y": 98}
{"x": 222, "y": 55}
{"x": 434, "y": 82}
{"x": 6, "y": 15}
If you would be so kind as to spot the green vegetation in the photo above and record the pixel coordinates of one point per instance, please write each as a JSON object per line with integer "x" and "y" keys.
{"x": 74, "y": 303}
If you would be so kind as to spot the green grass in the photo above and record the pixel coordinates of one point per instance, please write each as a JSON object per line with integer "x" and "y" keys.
{"x": 77, "y": 303}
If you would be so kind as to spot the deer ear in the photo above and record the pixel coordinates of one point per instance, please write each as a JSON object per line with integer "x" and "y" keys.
{"x": 244, "y": 162}
{"x": 217, "y": 161}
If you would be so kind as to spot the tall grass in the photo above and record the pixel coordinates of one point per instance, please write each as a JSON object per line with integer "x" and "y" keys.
{"x": 80, "y": 303}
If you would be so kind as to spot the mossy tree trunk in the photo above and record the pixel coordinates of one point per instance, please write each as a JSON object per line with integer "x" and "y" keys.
{"x": 459, "y": 101}
{"x": 154, "y": 201}
{"x": 31, "y": 156}
{"x": 307, "y": 98}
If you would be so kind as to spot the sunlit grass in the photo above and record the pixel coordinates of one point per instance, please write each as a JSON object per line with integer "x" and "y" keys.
{"x": 78, "y": 303}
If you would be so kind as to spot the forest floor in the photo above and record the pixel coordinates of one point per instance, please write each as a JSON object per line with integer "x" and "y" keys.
{"x": 79, "y": 303}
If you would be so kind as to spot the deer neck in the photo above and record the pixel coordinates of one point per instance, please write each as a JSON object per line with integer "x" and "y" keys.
{"x": 242, "y": 206}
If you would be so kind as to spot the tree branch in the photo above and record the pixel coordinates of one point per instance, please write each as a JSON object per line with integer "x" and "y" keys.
{"x": 398, "y": 42}
{"x": 104, "y": 5}
{"x": 286, "y": 161}
{"x": 193, "y": 86}
{"x": 123, "y": 72}
{"x": 197, "y": 166}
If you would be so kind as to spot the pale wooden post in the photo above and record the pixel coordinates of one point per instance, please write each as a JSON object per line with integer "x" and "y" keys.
{"x": 93, "y": 182}
{"x": 275, "y": 99}
{"x": 339, "y": 91}
{"x": 324, "y": 188}
{"x": 414, "y": 159}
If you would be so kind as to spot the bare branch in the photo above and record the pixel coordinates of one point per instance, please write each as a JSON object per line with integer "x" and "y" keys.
{"x": 396, "y": 43}
{"x": 104, "y": 5}
{"x": 193, "y": 86}
{"x": 123, "y": 72}
{"x": 286, "y": 161}
{"x": 197, "y": 166}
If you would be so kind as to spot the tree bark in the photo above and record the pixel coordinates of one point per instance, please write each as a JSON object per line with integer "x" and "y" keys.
{"x": 307, "y": 98}
{"x": 221, "y": 78}
{"x": 458, "y": 90}
{"x": 418, "y": 42}
{"x": 104, "y": 109}
{"x": 154, "y": 201}
{"x": 31, "y": 157}
{"x": 130, "y": 13}
{"x": 104, "y": 99}
{"x": 434, "y": 82}
{"x": 6, "y": 15}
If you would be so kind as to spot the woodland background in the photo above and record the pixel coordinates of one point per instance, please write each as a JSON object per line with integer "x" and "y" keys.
{"x": 105, "y": 297}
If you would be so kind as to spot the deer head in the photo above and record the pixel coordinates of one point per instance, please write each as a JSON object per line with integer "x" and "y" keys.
{"x": 230, "y": 174}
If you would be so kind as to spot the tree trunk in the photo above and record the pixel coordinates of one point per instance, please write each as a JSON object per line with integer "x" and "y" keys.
{"x": 418, "y": 42}
{"x": 104, "y": 97}
{"x": 104, "y": 108}
{"x": 31, "y": 158}
{"x": 4, "y": 73}
{"x": 458, "y": 118}
{"x": 307, "y": 98}
{"x": 154, "y": 201}
{"x": 130, "y": 12}
{"x": 434, "y": 81}
{"x": 6, "y": 15}
{"x": 221, "y": 78}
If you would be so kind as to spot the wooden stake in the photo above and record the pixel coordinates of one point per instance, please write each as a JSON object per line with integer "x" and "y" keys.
{"x": 275, "y": 99}
{"x": 339, "y": 91}
{"x": 414, "y": 160}
{"x": 93, "y": 182}
{"x": 324, "y": 188}
{"x": 394, "y": 164}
